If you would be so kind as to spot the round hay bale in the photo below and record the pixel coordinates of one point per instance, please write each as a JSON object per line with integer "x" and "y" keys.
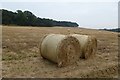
{"x": 60, "y": 49}
{"x": 94, "y": 44}
{"x": 40, "y": 42}
{"x": 88, "y": 45}
{"x": 68, "y": 31}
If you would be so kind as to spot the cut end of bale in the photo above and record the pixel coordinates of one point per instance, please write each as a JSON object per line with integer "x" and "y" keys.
{"x": 69, "y": 51}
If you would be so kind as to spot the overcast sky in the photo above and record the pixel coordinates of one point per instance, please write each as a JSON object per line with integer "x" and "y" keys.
{"x": 94, "y": 14}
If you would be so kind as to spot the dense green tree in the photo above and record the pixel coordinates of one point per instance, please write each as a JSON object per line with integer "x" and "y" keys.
{"x": 8, "y": 17}
{"x": 27, "y": 18}
{"x": 30, "y": 18}
{"x": 20, "y": 18}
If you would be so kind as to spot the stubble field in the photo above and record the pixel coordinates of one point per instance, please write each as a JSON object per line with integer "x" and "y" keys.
{"x": 21, "y": 57}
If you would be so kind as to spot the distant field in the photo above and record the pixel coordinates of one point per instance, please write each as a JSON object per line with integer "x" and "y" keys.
{"x": 21, "y": 57}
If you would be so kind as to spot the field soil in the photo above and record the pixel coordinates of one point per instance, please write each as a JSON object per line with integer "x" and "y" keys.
{"x": 21, "y": 57}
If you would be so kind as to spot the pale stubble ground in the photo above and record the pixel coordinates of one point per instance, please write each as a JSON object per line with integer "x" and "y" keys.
{"x": 21, "y": 57}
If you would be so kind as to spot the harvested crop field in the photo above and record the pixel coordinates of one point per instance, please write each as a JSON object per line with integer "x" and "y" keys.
{"x": 21, "y": 57}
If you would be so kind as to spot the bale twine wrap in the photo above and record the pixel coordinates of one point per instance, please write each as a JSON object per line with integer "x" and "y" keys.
{"x": 88, "y": 45}
{"x": 60, "y": 49}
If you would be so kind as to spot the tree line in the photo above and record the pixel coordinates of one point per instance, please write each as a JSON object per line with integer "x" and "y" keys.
{"x": 27, "y": 18}
{"x": 113, "y": 30}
